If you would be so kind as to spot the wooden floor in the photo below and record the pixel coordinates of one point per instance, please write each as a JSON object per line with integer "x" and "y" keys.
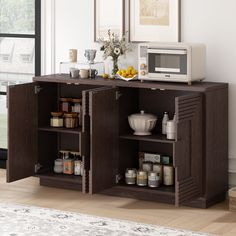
{"x": 217, "y": 220}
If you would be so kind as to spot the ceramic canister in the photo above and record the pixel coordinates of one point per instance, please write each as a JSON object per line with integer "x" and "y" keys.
{"x": 168, "y": 175}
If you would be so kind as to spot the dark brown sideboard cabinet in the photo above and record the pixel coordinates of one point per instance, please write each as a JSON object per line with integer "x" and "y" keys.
{"x": 106, "y": 143}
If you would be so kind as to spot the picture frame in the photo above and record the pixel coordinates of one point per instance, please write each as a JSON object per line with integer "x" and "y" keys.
{"x": 104, "y": 19}
{"x": 154, "y": 21}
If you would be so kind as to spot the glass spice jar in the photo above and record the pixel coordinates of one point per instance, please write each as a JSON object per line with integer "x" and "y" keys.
{"x": 147, "y": 166}
{"x": 65, "y": 104}
{"x": 57, "y": 119}
{"x": 71, "y": 120}
{"x": 130, "y": 176}
{"x": 153, "y": 179}
{"x": 68, "y": 166}
{"x": 77, "y": 167}
{"x": 142, "y": 178}
{"x": 76, "y": 105}
{"x": 158, "y": 168}
{"x": 58, "y": 166}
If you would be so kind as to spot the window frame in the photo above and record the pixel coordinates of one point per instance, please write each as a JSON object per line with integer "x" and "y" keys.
{"x": 37, "y": 37}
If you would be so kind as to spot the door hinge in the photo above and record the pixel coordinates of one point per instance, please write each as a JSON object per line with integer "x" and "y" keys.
{"x": 37, "y": 89}
{"x": 118, "y": 95}
{"x": 37, "y": 167}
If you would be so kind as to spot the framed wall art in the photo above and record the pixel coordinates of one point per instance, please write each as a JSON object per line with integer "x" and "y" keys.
{"x": 109, "y": 15}
{"x": 154, "y": 20}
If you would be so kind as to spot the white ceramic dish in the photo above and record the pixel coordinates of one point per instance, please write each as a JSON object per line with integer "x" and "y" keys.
{"x": 127, "y": 79}
{"x": 142, "y": 123}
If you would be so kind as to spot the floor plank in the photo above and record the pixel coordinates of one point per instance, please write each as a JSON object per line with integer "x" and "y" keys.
{"x": 217, "y": 219}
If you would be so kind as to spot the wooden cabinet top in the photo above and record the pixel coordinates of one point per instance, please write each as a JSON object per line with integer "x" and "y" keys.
{"x": 195, "y": 87}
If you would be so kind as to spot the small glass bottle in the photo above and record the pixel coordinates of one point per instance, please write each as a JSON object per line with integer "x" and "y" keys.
{"x": 147, "y": 166}
{"x": 71, "y": 120}
{"x": 65, "y": 104}
{"x": 164, "y": 122}
{"x": 142, "y": 178}
{"x": 158, "y": 168}
{"x": 56, "y": 120}
{"x": 77, "y": 167}
{"x": 153, "y": 179}
{"x": 130, "y": 176}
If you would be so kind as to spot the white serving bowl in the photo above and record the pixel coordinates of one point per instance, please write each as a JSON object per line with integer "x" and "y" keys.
{"x": 142, "y": 123}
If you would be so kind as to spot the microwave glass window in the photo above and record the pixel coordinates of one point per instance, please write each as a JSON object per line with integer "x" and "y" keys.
{"x": 167, "y": 63}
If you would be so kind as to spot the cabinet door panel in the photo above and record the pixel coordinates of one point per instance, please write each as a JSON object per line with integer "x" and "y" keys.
{"x": 188, "y": 148}
{"x": 103, "y": 111}
{"x": 22, "y": 131}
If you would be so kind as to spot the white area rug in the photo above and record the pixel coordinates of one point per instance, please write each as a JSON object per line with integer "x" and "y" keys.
{"x": 18, "y": 220}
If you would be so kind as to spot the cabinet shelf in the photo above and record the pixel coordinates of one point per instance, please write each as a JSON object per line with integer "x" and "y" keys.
{"x": 60, "y": 177}
{"x": 157, "y": 138}
{"x": 165, "y": 194}
{"x": 60, "y": 130}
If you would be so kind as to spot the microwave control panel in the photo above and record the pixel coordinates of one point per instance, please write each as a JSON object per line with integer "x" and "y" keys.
{"x": 143, "y": 68}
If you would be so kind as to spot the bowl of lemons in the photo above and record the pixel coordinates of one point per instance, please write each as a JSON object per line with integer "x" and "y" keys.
{"x": 127, "y": 74}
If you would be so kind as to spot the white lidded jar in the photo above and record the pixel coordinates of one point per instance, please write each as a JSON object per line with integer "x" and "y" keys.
{"x": 142, "y": 123}
{"x": 164, "y": 122}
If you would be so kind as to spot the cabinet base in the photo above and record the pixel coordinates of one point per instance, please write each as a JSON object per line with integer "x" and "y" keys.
{"x": 163, "y": 195}
{"x": 60, "y": 184}
{"x": 206, "y": 203}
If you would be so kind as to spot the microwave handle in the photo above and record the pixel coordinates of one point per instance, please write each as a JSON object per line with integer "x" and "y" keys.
{"x": 163, "y": 51}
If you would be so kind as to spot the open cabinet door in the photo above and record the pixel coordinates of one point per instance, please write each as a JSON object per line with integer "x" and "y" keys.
{"x": 22, "y": 131}
{"x": 103, "y": 111}
{"x": 188, "y": 148}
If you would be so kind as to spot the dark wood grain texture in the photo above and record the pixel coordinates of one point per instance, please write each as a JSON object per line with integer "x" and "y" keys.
{"x": 106, "y": 142}
{"x": 103, "y": 111}
{"x": 162, "y": 194}
{"x": 188, "y": 148}
{"x": 216, "y": 143}
{"x": 22, "y": 131}
{"x": 196, "y": 86}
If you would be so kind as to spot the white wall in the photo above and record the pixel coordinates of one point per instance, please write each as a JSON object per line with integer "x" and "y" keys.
{"x": 211, "y": 22}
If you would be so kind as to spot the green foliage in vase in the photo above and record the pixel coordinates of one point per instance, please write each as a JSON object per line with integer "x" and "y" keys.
{"x": 114, "y": 47}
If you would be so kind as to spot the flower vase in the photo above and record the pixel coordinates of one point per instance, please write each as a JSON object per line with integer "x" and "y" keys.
{"x": 115, "y": 66}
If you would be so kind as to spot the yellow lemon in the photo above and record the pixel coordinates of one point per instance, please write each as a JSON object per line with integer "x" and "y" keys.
{"x": 133, "y": 72}
{"x": 119, "y": 72}
{"x": 105, "y": 76}
{"x": 130, "y": 68}
{"x": 124, "y": 74}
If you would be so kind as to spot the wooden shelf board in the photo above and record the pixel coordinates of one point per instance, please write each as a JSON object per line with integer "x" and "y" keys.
{"x": 162, "y": 194}
{"x": 152, "y": 138}
{"x": 61, "y": 177}
{"x": 60, "y": 130}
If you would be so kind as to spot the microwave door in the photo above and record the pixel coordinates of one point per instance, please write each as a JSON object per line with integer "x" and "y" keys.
{"x": 169, "y": 62}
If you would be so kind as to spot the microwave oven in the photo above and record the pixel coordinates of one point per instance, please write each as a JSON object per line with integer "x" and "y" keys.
{"x": 175, "y": 62}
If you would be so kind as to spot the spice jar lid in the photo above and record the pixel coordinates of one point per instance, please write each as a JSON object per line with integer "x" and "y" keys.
{"x": 141, "y": 172}
{"x": 153, "y": 173}
{"x": 56, "y": 113}
{"x": 65, "y": 99}
{"x": 71, "y": 115}
{"x": 76, "y": 100}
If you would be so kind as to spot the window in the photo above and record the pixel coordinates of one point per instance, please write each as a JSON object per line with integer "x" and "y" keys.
{"x": 19, "y": 51}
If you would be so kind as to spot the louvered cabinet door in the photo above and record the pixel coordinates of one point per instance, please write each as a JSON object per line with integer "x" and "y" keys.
{"x": 188, "y": 148}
